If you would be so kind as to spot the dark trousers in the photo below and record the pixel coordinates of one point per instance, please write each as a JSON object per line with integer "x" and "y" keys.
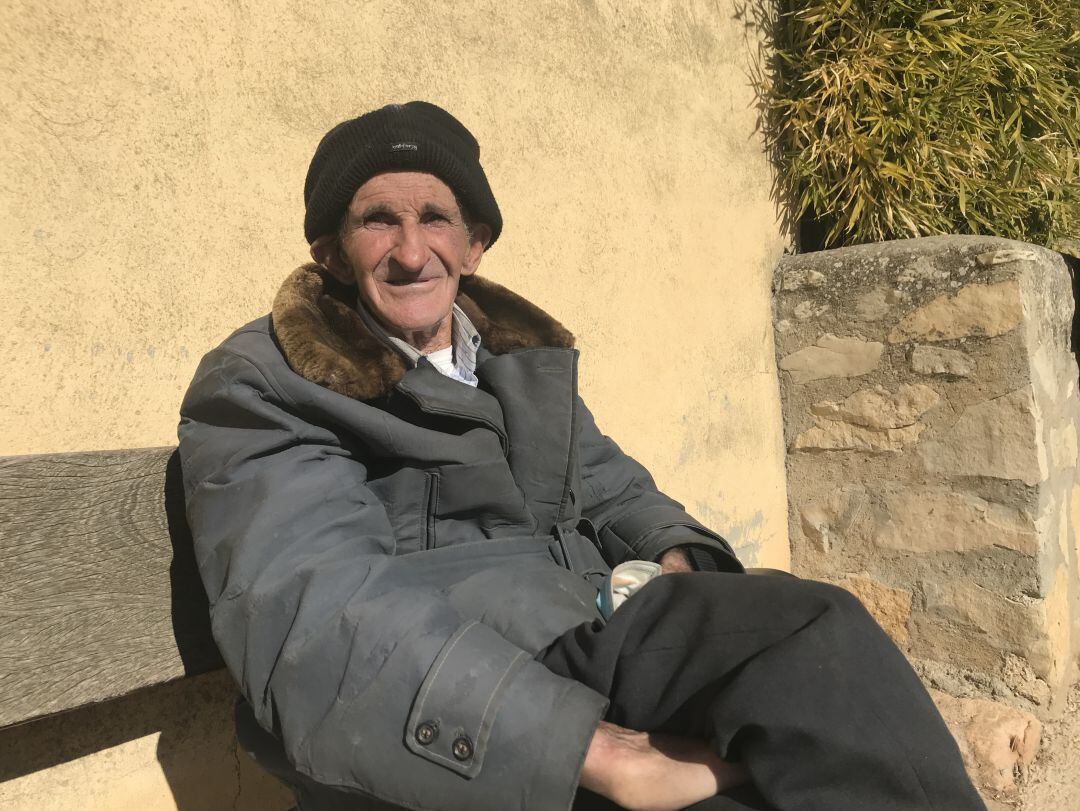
{"x": 791, "y": 677}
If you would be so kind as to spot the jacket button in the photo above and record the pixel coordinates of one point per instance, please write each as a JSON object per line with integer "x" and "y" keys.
{"x": 426, "y": 733}
{"x": 462, "y": 748}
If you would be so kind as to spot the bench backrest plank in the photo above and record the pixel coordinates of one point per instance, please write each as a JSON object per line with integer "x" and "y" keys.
{"x": 99, "y": 594}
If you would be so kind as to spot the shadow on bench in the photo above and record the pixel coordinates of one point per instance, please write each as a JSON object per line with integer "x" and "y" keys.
{"x": 100, "y": 595}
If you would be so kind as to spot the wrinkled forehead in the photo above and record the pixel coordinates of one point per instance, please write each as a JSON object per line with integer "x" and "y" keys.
{"x": 404, "y": 190}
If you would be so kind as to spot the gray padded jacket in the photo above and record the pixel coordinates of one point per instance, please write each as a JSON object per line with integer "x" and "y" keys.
{"x": 385, "y": 550}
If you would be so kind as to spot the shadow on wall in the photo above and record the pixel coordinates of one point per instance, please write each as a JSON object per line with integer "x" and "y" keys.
{"x": 1073, "y": 264}
{"x": 105, "y": 756}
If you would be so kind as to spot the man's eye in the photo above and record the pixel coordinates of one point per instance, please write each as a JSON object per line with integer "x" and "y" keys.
{"x": 377, "y": 219}
{"x": 434, "y": 217}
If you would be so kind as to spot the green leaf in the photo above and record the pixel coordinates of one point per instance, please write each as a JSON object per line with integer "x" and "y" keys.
{"x": 930, "y": 15}
{"x": 941, "y": 22}
{"x": 889, "y": 119}
{"x": 858, "y": 207}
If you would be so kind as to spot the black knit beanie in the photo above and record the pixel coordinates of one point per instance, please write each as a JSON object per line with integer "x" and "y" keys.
{"x": 415, "y": 136}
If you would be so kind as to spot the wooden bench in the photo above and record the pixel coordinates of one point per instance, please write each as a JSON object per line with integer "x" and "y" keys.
{"x": 99, "y": 593}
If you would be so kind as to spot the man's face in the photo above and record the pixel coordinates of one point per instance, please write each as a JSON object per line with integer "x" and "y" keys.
{"x": 406, "y": 245}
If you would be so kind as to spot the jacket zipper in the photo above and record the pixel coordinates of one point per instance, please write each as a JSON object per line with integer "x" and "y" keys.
{"x": 568, "y": 502}
{"x": 431, "y": 502}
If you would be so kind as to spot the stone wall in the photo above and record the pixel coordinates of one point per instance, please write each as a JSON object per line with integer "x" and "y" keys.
{"x": 930, "y": 413}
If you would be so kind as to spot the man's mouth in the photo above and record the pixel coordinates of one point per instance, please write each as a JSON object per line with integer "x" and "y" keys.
{"x": 410, "y": 282}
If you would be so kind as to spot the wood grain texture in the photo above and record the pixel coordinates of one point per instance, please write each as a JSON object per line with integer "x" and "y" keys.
{"x": 99, "y": 594}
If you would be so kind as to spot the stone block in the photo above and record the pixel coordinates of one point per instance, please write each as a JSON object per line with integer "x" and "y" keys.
{"x": 871, "y": 420}
{"x": 998, "y": 438}
{"x": 1074, "y": 526}
{"x": 936, "y": 360}
{"x": 833, "y": 356}
{"x": 891, "y": 607}
{"x": 1021, "y": 680}
{"x": 920, "y": 519}
{"x": 939, "y": 639}
{"x": 879, "y": 408}
{"x": 1001, "y": 257}
{"x": 977, "y": 310}
{"x": 826, "y": 521}
{"x": 829, "y": 435}
{"x": 992, "y": 621}
{"x": 806, "y": 310}
{"x": 877, "y": 304}
{"x": 1051, "y": 374}
{"x": 997, "y": 742}
{"x": 799, "y": 278}
{"x": 1063, "y": 446}
{"x": 816, "y": 523}
{"x": 1062, "y": 529}
{"x": 1058, "y": 625}
{"x": 920, "y": 271}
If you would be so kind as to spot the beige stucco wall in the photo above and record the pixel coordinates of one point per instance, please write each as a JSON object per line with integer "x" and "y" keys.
{"x": 154, "y": 157}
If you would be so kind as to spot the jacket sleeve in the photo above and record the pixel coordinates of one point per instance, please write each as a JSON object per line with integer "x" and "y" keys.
{"x": 350, "y": 655}
{"x": 632, "y": 517}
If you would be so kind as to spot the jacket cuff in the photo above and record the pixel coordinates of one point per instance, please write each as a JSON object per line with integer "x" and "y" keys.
{"x": 702, "y": 558}
{"x": 565, "y": 734}
{"x": 545, "y": 721}
{"x": 654, "y": 530}
{"x": 453, "y": 713}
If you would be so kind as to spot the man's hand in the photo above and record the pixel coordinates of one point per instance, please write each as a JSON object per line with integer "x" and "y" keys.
{"x": 654, "y": 772}
{"x": 675, "y": 560}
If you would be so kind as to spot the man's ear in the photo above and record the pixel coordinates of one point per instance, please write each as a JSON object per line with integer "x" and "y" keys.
{"x": 481, "y": 236}
{"x": 326, "y": 251}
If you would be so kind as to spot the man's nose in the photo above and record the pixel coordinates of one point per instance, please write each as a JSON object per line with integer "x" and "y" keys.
{"x": 411, "y": 250}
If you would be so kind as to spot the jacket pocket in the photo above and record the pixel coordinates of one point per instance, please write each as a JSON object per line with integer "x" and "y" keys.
{"x": 409, "y": 496}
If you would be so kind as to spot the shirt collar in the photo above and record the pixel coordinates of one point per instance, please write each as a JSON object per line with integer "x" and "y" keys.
{"x": 466, "y": 340}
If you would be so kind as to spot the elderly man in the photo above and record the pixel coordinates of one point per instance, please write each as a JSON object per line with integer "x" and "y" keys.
{"x": 404, "y": 516}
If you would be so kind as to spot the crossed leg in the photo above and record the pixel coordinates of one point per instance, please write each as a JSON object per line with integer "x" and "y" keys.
{"x": 792, "y": 678}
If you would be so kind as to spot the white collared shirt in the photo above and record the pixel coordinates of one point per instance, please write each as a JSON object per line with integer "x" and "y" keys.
{"x": 458, "y": 361}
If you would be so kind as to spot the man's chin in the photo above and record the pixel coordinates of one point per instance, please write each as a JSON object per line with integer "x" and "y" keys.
{"x": 409, "y": 309}
{"x": 423, "y": 322}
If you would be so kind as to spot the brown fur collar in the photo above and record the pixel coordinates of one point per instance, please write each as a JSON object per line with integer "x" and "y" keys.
{"x": 325, "y": 341}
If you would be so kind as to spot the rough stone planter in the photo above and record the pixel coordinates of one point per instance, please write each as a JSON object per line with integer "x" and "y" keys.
{"x": 930, "y": 415}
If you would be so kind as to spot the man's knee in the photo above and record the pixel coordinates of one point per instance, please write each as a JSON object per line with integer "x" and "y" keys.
{"x": 837, "y": 598}
{"x": 800, "y": 603}
{"x": 850, "y": 626}
{"x": 832, "y": 601}
{"x": 751, "y": 601}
